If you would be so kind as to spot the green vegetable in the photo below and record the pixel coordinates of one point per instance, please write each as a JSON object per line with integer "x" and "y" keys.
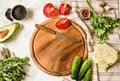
{"x": 85, "y": 66}
{"x": 75, "y": 67}
{"x": 102, "y": 25}
{"x": 12, "y": 68}
{"x": 8, "y": 31}
{"x": 88, "y": 74}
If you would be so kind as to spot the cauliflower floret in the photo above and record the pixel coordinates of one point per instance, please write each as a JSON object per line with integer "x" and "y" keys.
{"x": 104, "y": 55}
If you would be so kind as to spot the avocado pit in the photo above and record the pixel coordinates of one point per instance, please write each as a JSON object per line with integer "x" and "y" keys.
{"x": 4, "y": 33}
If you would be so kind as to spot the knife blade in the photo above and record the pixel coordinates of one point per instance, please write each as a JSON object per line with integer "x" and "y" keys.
{"x": 60, "y": 35}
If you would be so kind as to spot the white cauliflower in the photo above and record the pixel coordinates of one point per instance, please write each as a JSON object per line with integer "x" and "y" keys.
{"x": 104, "y": 55}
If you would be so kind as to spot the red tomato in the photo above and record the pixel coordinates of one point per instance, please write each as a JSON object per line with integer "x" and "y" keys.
{"x": 50, "y": 10}
{"x": 63, "y": 23}
{"x": 64, "y": 9}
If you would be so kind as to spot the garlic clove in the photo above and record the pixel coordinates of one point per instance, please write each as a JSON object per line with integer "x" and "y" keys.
{"x": 100, "y": 3}
{"x": 4, "y": 53}
{"x": 107, "y": 8}
{"x": 99, "y": 9}
{"x": 98, "y": 6}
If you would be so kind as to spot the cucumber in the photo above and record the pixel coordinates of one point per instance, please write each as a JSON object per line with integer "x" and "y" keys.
{"x": 85, "y": 66}
{"x": 75, "y": 67}
{"x": 87, "y": 76}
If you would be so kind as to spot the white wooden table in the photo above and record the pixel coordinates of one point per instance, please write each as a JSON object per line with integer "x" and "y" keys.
{"x": 20, "y": 43}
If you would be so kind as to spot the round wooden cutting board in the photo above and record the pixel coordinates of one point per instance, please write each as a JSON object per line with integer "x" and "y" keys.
{"x": 54, "y": 55}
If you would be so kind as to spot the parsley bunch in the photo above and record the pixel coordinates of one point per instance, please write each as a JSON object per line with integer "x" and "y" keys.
{"x": 12, "y": 68}
{"x": 102, "y": 25}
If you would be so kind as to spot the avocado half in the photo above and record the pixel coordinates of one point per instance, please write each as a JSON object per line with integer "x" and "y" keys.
{"x": 8, "y": 31}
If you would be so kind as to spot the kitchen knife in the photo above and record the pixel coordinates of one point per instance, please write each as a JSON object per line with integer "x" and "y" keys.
{"x": 57, "y": 33}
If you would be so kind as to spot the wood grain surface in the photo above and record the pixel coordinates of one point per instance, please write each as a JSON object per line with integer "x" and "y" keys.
{"x": 54, "y": 55}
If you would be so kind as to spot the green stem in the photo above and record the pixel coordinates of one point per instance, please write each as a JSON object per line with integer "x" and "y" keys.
{"x": 90, "y": 7}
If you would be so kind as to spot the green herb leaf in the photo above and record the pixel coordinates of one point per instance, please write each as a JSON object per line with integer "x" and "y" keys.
{"x": 12, "y": 68}
{"x": 102, "y": 25}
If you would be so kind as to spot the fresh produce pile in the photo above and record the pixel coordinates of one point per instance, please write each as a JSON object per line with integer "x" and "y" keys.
{"x": 102, "y": 25}
{"x": 81, "y": 70}
{"x": 12, "y": 68}
{"x": 51, "y": 11}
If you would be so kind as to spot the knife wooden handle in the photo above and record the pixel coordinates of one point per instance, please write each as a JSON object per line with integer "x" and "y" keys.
{"x": 45, "y": 29}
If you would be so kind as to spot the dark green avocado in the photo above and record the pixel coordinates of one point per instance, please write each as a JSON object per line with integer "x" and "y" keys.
{"x": 8, "y": 31}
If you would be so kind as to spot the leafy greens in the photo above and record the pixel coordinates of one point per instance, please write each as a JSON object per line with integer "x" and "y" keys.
{"x": 102, "y": 25}
{"x": 12, "y": 68}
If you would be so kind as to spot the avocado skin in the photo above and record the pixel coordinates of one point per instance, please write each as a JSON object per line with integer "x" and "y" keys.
{"x": 17, "y": 26}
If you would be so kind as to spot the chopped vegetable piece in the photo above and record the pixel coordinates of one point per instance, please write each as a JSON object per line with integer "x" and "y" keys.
{"x": 63, "y": 23}
{"x": 64, "y": 9}
{"x": 50, "y": 10}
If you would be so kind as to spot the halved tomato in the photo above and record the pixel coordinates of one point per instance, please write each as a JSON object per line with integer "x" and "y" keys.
{"x": 64, "y": 9}
{"x": 63, "y": 23}
{"x": 50, "y": 10}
